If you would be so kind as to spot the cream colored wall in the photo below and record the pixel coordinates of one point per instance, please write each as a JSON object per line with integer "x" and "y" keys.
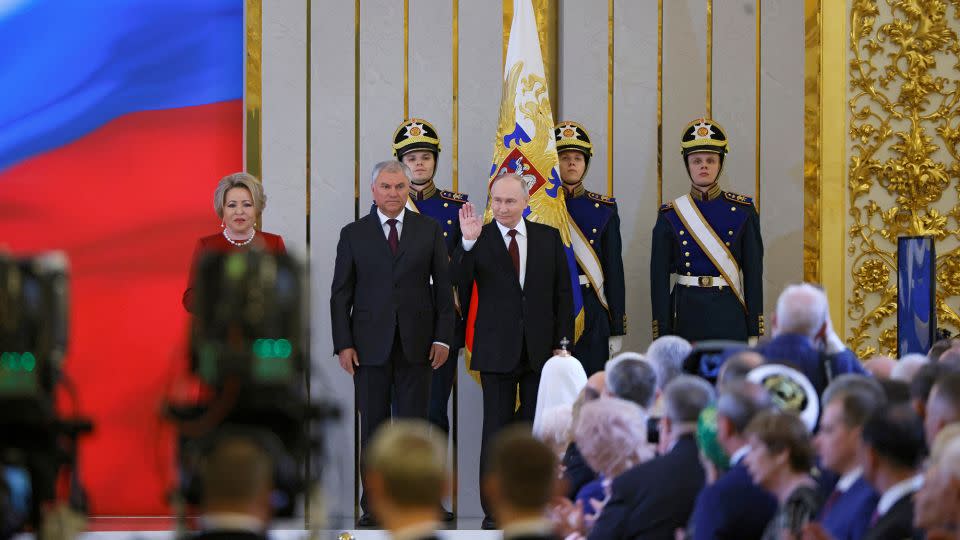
{"x": 335, "y": 123}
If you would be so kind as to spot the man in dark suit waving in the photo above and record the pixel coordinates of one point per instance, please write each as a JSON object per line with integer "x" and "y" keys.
{"x": 525, "y": 303}
{"x": 381, "y": 300}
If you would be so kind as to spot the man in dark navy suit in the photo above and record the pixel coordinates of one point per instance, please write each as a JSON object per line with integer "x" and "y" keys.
{"x": 654, "y": 499}
{"x": 799, "y": 324}
{"x": 893, "y": 449}
{"x": 848, "y": 403}
{"x": 391, "y": 305}
{"x": 734, "y": 507}
{"x": 237, "y": 483}
{"x": 525, "y": 304}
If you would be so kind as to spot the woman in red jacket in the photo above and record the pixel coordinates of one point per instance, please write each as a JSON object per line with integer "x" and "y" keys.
{"x": 239, "y": 201}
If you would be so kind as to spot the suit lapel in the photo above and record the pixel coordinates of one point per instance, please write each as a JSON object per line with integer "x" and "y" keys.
{"x": 409, "y": 227}
{"x": 377, "y": 237}
{"x": 533, "y": 251}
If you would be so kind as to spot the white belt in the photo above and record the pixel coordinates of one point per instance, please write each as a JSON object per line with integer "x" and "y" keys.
{"x": 702, "y": 281}
{"x": 584, "y": 280}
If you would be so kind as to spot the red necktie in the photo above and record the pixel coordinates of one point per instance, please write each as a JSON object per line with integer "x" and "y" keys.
{"x": 514, "y": 250}
{"x": 393, "y": 238}
{"x": 831, "y": 500}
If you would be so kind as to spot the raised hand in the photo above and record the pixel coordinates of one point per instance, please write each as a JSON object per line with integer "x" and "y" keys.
{"x": 470, "y": 222}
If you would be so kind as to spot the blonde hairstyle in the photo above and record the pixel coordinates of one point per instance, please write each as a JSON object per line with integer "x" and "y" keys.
{"x": 239, "y": 180}
{"x": 411, "y": 458}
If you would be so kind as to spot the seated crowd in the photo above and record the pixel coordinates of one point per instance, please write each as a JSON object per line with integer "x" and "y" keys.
{"x": 794, "y": 439}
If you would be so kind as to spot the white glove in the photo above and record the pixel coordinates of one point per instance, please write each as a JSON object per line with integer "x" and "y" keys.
{"x": 614, "y": 344}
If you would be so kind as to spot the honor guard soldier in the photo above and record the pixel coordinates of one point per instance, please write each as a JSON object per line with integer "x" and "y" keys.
{"x": 601, "y": 275}
{"x": 708, "y": 242}
{"x": 417, "y": 144}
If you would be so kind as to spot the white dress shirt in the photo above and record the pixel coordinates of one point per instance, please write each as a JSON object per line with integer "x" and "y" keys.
{"x": 521, "y": 237}
{"x": 386, "y": 232}
{"x": 848, "y": 479}
{"x": 386, "y": 227}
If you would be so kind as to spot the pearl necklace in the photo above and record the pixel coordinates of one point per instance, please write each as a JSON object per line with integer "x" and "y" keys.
{"x": 253, "y": 232}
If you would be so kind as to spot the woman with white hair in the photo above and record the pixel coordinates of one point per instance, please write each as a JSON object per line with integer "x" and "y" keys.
{"x": 611, "y": 434}
{"x": 239, "y": 201}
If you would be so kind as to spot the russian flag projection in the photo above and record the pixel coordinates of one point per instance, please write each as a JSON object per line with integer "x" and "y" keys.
{"x": 118, "y": 118}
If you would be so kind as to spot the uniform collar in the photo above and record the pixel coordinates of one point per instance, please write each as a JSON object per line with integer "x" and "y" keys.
{"x": 577, "y": 191}
{"x": 710, "y": 195}
{"x": 428, "y": 191}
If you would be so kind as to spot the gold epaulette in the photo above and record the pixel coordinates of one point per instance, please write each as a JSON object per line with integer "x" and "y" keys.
{"x": 666, "y": 206}
{"x": 601, "y": 198}
{"x": 737, "y": 198}
{"x": 453, "y": 196}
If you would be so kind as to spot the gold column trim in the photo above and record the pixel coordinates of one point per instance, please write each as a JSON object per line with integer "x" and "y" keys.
{"x": 659, "y": 103}
{"x": 811, "y": 142}
{"x": 253, "y": 90}
{"x": 610, "y": 98}
{"x": 406, "y": 59}
{"x": 545, "y": 12}
{"x": 902, "y": 109}
{"x": 832, "y": 154}
{"x": 756, "y": 198}
{"x": 709, "y": 105}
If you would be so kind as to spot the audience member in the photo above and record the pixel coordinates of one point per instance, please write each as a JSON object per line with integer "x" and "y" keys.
{"x": 943, "y": 405}
{"x": 907, "y": 367}
{"x": 407, "y": 478}
{"x": 951, "y": 357}
{"x": 880, "y": 366}
{"x": 922, "y": 384}
{"x": 561, "y": 380}
{"x": 936, "y": 505}
{"x": 938, "y": 348}
{"x": 780, "y": 459}
{"x": 847, "y": 404}
{"x": 799, "y": 322}
{"x": 519, "y": 482}
{"x": 737, "y": 365}
{"x": 666, "y": 354}
{"x": 574, "y": 469}
{"x": 734, "y": 507}
{"x": 633, "y": 380}
{"x": 622, "y": 356}
{"x": 892, "y": 450}
{"x": 655, "y": 498}
{"x": 896, "y": 392}
{"x": 237, "y": 482}
{"x": 612, "y": 436}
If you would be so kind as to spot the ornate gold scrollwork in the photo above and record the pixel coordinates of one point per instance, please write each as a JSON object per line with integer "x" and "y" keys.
{"x": 904, "y": 110}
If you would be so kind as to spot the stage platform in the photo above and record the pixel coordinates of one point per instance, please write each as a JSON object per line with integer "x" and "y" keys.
{"x": 161, "y": 528}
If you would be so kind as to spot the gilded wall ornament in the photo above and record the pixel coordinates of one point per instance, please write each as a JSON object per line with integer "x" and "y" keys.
{"x": 904, "y": 127}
